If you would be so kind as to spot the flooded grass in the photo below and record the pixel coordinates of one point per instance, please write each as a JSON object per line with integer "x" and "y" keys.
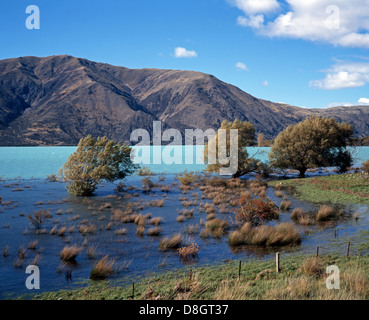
{"x": 138, "y": 229}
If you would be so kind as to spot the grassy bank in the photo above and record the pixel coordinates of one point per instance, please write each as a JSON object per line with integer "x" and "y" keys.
{"x": 336, "y": 189}
{"x": 300, "y": 277}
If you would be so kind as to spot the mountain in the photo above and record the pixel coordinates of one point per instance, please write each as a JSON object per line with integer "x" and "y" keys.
{"x": 58, "y": 100}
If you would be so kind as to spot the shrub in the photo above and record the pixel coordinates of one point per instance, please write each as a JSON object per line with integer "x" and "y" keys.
{"x": 365, "y": 166}
{"x": 147, "y": 184}
{"x": 188, "y": 252}
{"x": 52, "y": 178}
{"x": 38, "y": 218}
{"x": 103, "y": 268}
{"x": 256, "y": 211}
{"x": 144, "y": 171}
{"x": 93, "y": 161}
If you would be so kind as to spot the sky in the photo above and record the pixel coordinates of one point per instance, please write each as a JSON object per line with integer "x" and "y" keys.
{"x": 312, "y": 54}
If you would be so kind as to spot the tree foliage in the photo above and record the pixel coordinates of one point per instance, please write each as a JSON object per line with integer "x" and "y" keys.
{"x": 246, "y": 136}
{"x": 314, "y": 142}
{"x": 96, "y": 159}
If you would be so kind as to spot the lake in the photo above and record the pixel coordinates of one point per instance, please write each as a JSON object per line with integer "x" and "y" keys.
{"x": 38, "y": 162}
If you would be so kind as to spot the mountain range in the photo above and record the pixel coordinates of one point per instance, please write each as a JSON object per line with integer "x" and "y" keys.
{"x": 57, "y": 100}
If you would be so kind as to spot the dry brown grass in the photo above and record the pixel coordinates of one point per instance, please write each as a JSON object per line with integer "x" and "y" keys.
{"x": 180, "y": 218}
{"x": 325, "y": 213}
{"x": 120, "y": 232}
{"x": 156, "y": 221}
{"x": 170, "y": 243}
{"x": 312, "y": 266}
{"x": 280, "y": 235}
{"x": 70, "y": 253}
{"x": 155, "y": 231}
{"x": 103, "y": 268}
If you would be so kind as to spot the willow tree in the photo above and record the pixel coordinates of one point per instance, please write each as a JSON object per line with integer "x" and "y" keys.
{"x": 246, "y": 136}
{"x": 96, "y": 159}
{"x": 314, "y": 142}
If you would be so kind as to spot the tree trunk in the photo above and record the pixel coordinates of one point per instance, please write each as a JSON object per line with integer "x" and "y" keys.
{"x": 302, "y": 172}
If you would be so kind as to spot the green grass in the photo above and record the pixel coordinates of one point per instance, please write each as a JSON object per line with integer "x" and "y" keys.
{"x": 337, "y": 189}
{"x": 258, "y": 281}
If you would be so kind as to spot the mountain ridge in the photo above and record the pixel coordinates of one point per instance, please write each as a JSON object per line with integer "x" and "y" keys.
{"x": 57, "y": 100}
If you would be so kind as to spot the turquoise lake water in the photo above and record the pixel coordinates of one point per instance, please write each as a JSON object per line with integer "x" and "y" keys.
{"x": 38, "y": 162}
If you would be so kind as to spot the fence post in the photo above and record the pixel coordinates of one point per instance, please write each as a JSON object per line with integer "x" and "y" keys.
{"x": 348, "y": 250}
{"x": 317, "y": 251}
{"x": 133, "y": 290}
{"x": 277, "y": 267}
{"x": 239, "y": 270}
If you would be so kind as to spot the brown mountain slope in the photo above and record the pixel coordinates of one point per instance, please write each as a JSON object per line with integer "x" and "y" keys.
{"x": 59, "y": 99}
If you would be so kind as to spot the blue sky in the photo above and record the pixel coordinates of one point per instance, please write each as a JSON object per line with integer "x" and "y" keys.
{"x": 283, "y": 51}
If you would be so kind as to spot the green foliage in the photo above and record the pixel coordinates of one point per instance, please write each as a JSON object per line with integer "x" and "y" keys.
{"x": 314, "y": 142}
{"x": 246, "y": 137}
{"x": 365, "y": 166}
{"x": 96, "y": 160}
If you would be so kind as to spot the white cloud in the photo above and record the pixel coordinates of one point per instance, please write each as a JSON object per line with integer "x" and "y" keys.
{"x": 180, "y": 52}
{"x": 363, "y": 101}
{"x": 255, "y": 6}
{"x": 265, "y": 83}
{"x": 346, "y": 23}
{"x": 343, "y": 75}
{"x": 254, "y": 22}
{"x": 241, "y": 66}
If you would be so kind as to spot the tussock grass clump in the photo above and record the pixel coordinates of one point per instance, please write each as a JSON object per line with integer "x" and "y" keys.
{"x": 278, "y": 194}
{"x": 70, "y": 253}
{"x": 325, "y": 213}
{"x": 156, "y": 221}
{"x": 155, "y": 231}
{"x": 120, "y": 232}
{"x": 91, "y": 253}
{"x": 103, "y": 268}
{"x": 170, "y": 243}
{"x": 140, "y": 220}
{"x": 285, "y": 205}
{"x": 312, "y": 266}
{"x": 32, "y": 245}
{"x": 61, "y": 232}
{"x": 211, "y": 216}
{"x": 264, "y": 236}
{"x": 53, "y": 230}
{"x": 217, "y": 227}
{"x": 191, "y": 229}
{"x": 180, "y": 218}
{"x": 84, "y": 229}
{"x": 6, "y": 251}
{"x": 140, "y": 231}
{"x": 157, "y": 203}
{"x": 297, "y": 214}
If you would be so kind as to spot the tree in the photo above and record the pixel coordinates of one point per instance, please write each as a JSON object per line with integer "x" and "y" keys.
{"x": 96, "y": 160}
{"x": 246, "y": 136}
{"x": 314, "y": 142}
